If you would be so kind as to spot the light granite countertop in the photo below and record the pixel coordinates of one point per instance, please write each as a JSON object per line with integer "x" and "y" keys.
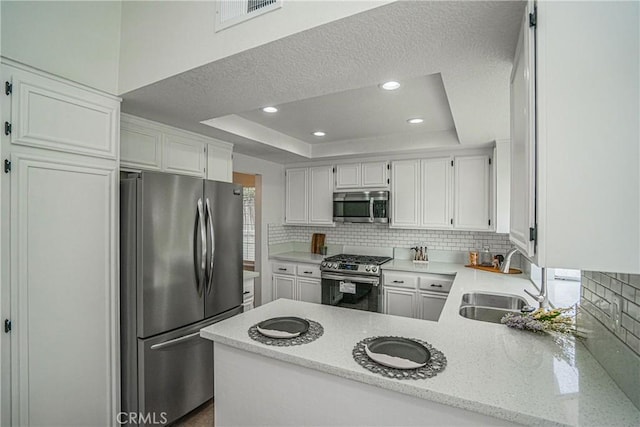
{"x": 247, "y": 274}
{"x": 513, "y": 375}
{"x": 299, "y": 256}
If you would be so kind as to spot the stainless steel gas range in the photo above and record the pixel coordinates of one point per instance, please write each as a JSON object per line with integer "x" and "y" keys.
{"x": 352, "y": 281}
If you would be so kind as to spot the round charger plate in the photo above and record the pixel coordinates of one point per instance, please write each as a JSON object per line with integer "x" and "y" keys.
{"x": 397, "y": 352}
{"x": 283, "y": 327}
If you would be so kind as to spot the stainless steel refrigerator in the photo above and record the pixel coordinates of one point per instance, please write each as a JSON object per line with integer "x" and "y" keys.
{"x": 181, "y": 270}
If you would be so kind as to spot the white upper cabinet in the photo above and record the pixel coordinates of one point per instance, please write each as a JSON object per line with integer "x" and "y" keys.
{"x": 309, "y": 196}
{"x": 149, "y": 145}
{"x": 220, "y": 162}
{"x": 140, "y": 146}
{"x": 436, "y": 192}
{"x": 348, "y": 176}
{"x": 184, "y": 155}
{"x": 55, "y": 114}
{"x": 375, "y": 174}
{"x": 362, "y": 175}
{"x": 296, "y": 196}
{"x": 472, "y": 192}
{"x": 522, "y": 204}
{"x": 321, "y": 195}
{"x": 405, "y": 193}
{"x": 582, "y": 124}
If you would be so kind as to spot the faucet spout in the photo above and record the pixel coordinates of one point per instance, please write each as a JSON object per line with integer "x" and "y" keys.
{"x": 542, "y": 298}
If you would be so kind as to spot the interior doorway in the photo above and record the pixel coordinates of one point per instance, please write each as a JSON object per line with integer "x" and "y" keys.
{"x": 251, "y": 226}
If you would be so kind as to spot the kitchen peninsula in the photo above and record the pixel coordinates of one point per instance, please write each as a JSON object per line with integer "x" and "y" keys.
{"x": 494, "y": 375}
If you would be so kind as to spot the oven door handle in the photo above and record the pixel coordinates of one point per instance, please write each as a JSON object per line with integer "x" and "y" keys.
{"x": 356, "y": 279}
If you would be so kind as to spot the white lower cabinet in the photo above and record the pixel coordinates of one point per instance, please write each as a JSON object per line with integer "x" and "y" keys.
{"x": 399, "y": 302}
{"x": 411, "y": 295}
{"x": 309, "y": 290}
{"x": 300, "y": 282}
{"x": 284, "y": 286}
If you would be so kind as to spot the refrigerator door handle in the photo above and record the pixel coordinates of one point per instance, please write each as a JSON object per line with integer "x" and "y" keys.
{"x": 203, "y": 254}
{"x": 213, "y": 246}
{"x": 174, "y": 341}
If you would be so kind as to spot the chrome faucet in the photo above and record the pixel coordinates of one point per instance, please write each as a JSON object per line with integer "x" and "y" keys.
{"x": 542, "y": 298}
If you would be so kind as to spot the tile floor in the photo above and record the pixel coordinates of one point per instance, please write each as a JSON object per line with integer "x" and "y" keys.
{"x": 199, "y": 417}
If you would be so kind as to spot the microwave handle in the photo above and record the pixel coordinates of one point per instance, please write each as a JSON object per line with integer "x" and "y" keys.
{"x": 370, "y": 210}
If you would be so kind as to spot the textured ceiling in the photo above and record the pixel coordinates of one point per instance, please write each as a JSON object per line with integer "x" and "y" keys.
{"x": 471, "y": 45}
{"x": 362, "y": 113}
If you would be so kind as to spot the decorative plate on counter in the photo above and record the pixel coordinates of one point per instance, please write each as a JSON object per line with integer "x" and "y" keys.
{"x": 399, "y": 353}
{"x": 283, "y": 327}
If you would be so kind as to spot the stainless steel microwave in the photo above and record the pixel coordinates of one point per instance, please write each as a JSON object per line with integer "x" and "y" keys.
{"x": 362, "y": 206}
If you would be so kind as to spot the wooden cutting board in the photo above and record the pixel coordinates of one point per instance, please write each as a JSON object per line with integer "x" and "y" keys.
{"x": 493, "y": 270}
{"x": 317, "y": 242}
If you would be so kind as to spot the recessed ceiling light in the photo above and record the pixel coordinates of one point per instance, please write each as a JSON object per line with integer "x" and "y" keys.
{"x": 415, "y": 121}
{"x": 319, "y": 133}
{"x": 390, "y": 85}
{"x": 270, "y": 109}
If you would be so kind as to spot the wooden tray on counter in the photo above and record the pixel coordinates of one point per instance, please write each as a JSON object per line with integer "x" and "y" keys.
{"x": 493, "y": 270}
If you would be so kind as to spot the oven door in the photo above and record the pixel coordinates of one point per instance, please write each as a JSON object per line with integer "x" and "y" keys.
{"x": 351, "y": 291}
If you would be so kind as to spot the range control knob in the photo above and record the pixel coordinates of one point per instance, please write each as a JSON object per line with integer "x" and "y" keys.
{"x": 374, "y": 268}
{"x": 334, "y": 265}
{"x": 324, "y": 264}
{"x": 367, "y": 268}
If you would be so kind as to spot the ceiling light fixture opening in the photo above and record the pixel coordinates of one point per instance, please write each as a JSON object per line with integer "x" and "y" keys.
{"x": 270, "y": 109}
{"x": 391, "y": 85}
{"x": 415, "y": 121}
{"x": 319, "y": 133}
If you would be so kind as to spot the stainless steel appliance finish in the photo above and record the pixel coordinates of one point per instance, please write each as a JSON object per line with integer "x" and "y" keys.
{"x": 352, "y": 281}
{"x": 488, "y": 307}
{"x": 175, "y": 280}
{"x": 364, "y": 206}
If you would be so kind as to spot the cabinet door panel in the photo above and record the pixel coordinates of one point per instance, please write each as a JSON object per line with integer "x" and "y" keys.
{"x": 61, "y": 116}
{"x": 348, "y": 176}
{"x": 430, "y": 306}
{"x": 140, "y": 147}
{"x": 296, "y": 207}
{"x": 219, "y": 163}
{"x": 374, "y": 174}
{"x": 184, "y": 155}
{"x": 436, "y": 192}
{"x": 405, "y": 197}
{"x": 321, "y": 195}
{"x": 309, "y": 290}
{"x": 472, "y": 193}
{"x": 399, "y": 302}
{"x": 522, "y": 204}
{"x": 284, "y": 287}
{"x": 63, "y": 290}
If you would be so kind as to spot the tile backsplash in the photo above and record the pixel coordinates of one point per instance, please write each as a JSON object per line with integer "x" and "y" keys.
{"x": 616, "y": 348}
{"x": 599, "y": 293}
{"x": 383, "y": 236}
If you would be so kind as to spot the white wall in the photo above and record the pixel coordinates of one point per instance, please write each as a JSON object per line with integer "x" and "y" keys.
{"x": 79, "y": 41}
{"x": 271, "y": 211}
{"x": 162, "y": 39}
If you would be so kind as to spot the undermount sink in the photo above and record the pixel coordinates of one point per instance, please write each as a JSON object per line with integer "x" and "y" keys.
{"x": 487, "y": 307}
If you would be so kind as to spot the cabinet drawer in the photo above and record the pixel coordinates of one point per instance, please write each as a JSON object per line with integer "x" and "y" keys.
{"x": 308, "y": 270}
{"x": 436, "y": 282}
{"x": 283, "y": 268}
{"x": 400, "y": 280}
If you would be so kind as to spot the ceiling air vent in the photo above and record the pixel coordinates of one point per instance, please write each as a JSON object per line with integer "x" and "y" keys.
{"x": 232, "y": 12}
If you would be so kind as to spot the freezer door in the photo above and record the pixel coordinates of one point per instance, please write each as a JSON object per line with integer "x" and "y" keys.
{"x": 171, "y": 232}
{"x": 224, "y": 265}
{"x": 175, "y": 371}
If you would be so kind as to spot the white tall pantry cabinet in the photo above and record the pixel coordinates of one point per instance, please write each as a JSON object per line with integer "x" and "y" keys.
{"x": 59, "y": 251}
{"x": 581, "y": 123}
